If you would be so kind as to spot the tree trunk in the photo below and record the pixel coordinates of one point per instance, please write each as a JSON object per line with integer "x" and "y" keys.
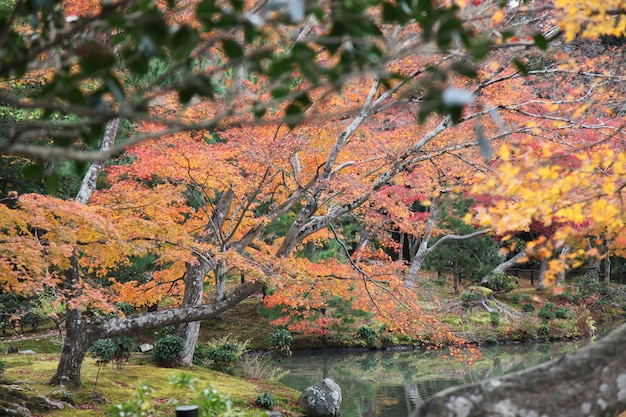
{"x": 78, "y": 343}
{"x": 541, "y": 285}
{"x": 220, "y": 279}
{"x": 564, "y": 252}
{"x": 195, "y": 274}
{"x": 75, "y": 347}
{"x": 192, "y": 297}
{"x": 588, "y": 382}
{"x": 502, "y": 267}
{"x": 456, "y": 274}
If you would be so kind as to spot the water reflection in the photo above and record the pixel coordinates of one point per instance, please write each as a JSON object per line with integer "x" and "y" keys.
{"x": 393, "y": 384}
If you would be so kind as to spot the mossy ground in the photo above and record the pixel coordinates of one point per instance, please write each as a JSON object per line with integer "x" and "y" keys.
{"x": 32, "y": 371}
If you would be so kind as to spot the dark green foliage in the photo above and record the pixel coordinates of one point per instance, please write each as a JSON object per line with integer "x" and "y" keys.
{"x": 103, "y": 350}
{"x": 468, "y": 298}
{"x": 589, "y": 285}
{"x": 167, "y": 350}
{"x": 281, "y": 342}
{"x": 3, "y": 367}
{"x": 200, "y": 354}
{"x": 494, "y": 318}
{"x": 528, "y": 308}
{"x": 562, "y": 313}
{"x": 501, "y": 282}
{"x": 266, "y": 400}
{"x": 516, "y": 298}
{"x": 116, "y": 350}
{"x": 544, "y": 331}
{"x": 223, "y": 358}
{"x": 368, "y": 334}
{"x": 547, "y": 312}
{"x": 474, "y": 258}
{"x": 165, "y": 331}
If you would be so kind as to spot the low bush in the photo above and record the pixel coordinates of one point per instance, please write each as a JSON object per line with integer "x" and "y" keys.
{"x": 494, "y": 318}
{"x": 220, "y": 354}
{"x": 167, "y": 350}
{"x": 528, "y": 308}
{"x": 266, "y": 400}
{"x": 468, "y": 298}
{"x": 562, "y": 313}
{"x": 547, "y": 312}
{"x": 367, "y": 334}
{"x": 499, "y": 281}
{"x": 281, "y": 342}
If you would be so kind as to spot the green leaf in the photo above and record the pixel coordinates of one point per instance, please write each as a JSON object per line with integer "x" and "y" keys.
{"x": 52, "y": 182}
{"x": 520, "y": 66}
{"x": 464, "y": 69}
{"x": 115, "y": 88}
{"x": 540, "y": 41}
{"x": 232, "y": 49}
{"x": 293, "y": 115}
{"x": 32, "y": 171}
{"x": 185, "y": 94}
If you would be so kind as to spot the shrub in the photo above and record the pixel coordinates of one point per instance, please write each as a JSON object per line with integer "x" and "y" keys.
{"x": 3, "y": 367}
{"x": 367, "y": 334}
{"x": 528, "y": 308}
{"x": 544, "y": 331}
{"x": 516, "y": 298}
{"x": 499, "y": 281}
{"x": 266, "y": 400}
{"x": 468, "y": 298}
{"x": 562, "y": 313}
{"x": 103, "y": 350}
{"x": 547, "y": 312}
{"x": 223, "y": 358}
{"x": 167, "y": 350}
{"x": 494, "y": 318}
{"x": 220, "y": 354}
{"x": 281, "y": 342}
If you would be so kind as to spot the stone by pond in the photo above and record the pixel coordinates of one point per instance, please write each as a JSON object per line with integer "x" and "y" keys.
{"x": 394, "y": 383}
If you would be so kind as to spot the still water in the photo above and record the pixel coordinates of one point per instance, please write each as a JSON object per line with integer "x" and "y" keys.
{"x": 393, "y": 383}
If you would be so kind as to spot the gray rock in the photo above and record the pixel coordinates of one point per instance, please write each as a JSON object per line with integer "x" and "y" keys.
{"x": 322, "y": 399}
{"x": 146, "y": 347}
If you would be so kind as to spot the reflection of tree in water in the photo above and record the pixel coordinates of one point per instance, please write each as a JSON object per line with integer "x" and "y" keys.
{"x": 369, "y": 363}
{"x": 393, "y": 384}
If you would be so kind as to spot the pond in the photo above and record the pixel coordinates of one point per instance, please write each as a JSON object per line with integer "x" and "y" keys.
{"x": 393, "y": 383}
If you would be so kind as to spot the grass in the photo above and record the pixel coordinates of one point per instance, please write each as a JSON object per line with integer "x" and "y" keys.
{"x": 32, "y": 371}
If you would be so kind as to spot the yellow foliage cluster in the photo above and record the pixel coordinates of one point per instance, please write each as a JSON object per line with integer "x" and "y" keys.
{"x": 592, "y": 18}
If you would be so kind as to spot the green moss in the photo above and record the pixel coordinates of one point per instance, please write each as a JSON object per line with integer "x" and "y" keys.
{"x": 482, "y": 317}
{"x": 452, "y": 319}
{"x": 118, "y": 385}
{"x": 483, "y": 291}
